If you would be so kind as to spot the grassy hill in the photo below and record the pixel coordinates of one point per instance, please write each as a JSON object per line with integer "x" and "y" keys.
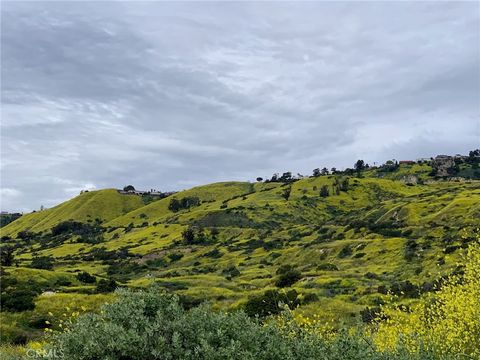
{"x": 88, "y": 206}
{"x": 341, "y": 242}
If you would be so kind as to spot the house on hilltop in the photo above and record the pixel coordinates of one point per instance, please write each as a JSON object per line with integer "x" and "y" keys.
{"x": 130, "y": 190}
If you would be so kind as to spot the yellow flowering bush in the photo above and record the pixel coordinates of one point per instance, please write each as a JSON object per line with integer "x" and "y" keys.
{"x": 447, "y": 322}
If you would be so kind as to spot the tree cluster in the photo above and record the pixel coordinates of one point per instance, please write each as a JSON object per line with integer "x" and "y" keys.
{"x": 184, "y": 203}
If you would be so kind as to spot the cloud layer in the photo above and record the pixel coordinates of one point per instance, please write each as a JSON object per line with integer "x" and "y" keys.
{"x": 170, "y": 95}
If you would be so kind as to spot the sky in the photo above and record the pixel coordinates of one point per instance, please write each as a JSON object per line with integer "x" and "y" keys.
{"x": 169, "y": 95}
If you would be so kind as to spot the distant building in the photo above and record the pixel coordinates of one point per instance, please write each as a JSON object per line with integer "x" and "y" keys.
{"x": 152, "y": 192}
{"x": 409, "y": 162}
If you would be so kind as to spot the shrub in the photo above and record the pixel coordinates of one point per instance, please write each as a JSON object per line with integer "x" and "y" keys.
{"x": 154, "y": 325}
{"x": 175, "y": 256}
{"x": 324, "y": 191}
{"x": 85, "y": 277}
{"x": 370, "y": 315}
{"x": 6, "y": 255}
{"x": 182, "y": 204}
{"x": 106, "y": 286}
{"x": 271, "y": 302}
{"x": 327, "y": 267}
{"x": 42, "y": 262}
{"x": 346, "y": 251}
{"x": 447, "y": 321}
{"x": 230, "y": 272}
{"x": 287, "y": 276}
{"x": 18, "y": 299}
{"x": 215, "y": 254}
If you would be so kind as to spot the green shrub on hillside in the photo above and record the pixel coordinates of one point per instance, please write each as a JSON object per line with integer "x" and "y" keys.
{"x": 42, "y": 262}
{"x": 153, "y": 325}
{"x": 85, "y": 277}
{"x": 288, "y": 276}
{"x": 183, "y": 204}
{"x": 271, "y": 302}
{"x": 106, "y": 286}
{"x": 18, "y": 299}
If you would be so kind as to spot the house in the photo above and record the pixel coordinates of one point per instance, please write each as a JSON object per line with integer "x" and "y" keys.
{"x": 152, "y": 192}
{"x": 406, "y": 162}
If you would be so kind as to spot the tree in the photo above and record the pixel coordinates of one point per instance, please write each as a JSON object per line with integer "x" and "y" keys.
{"x": 324, "y": 191}
{"x": 333, "y": 170}
{"x": 174, "y": 205}
{"x": 286, "y": 192}
{"x": 324, "y": 171}
{"x": 185, "y": 203}
{"x": 129, "y": 188}
{"x": 6, "y": 256}
{"x": 259, "y": 179}
{"x": 316, "y": 172}
{"x": 359, "y": 166}
{"x": 188, "y": 235}
{"x": 26, "y": 235}
{"x": 336, "y": 189}
{"x": 286, "y": 177}
{"x": 344, "y": 185}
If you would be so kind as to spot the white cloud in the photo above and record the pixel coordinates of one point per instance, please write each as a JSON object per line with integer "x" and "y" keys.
{"x": 170, "y": 94}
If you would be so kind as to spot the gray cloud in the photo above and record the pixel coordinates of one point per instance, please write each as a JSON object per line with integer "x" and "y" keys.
{"x": 169, "y": 95}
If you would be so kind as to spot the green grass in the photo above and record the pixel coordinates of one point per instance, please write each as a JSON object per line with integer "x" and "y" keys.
{"x": 103, "y": 204}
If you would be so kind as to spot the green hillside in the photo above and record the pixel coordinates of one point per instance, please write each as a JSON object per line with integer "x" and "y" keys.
{"x": 341, "y": 242}
{"x": 88, "y": 206}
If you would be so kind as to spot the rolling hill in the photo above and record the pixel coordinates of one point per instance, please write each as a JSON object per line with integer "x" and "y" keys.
{"x": 336, "y": 243}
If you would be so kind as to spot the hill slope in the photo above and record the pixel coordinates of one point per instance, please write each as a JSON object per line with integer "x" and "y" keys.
{"x": 88, "y": 206}
{"x": 339, "y": 242}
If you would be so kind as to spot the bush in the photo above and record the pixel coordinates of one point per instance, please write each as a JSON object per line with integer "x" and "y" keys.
{"x": 370, "y": 315}
{"x": 182, "y": 204}
{"x": 447, "y": 321}
{"x": 215, "y": 254}
{"x": 345, "y": 252}
{"x": 324, "y": 191}
{"x": 154, "y": 325}
{"x": 327, "y": 267}
{"x": 18, "y": 299}
{"x": 106, "y": 286}
{"x": 175, "y": 256}
{"x": 231, "y": 272}
{"x": 288, "y": 276}
{"x": 85, "y": 277}
{"x": 42, "y": 262}
{"x": 271, "y": 302}
{"x": 6, "y": 255}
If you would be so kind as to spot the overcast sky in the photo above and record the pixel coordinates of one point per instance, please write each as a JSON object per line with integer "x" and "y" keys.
{"x": 171, "y": 95}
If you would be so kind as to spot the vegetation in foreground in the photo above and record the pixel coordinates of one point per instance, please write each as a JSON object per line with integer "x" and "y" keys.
{"x": 154, "y": 325}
